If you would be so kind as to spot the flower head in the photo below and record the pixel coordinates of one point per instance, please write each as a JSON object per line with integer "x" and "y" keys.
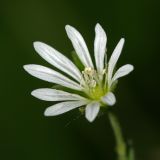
{"x": 94, "y": 84}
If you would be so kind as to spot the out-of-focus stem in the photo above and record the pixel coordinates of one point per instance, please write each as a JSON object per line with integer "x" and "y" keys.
{"x": 121, "y": 148}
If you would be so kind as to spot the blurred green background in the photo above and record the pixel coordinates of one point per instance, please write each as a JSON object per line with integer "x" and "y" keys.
{"x": 24, "y": 132}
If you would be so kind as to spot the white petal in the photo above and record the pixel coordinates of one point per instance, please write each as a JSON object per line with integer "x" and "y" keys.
{"x": 48, "y": 94}
{"x": 50, "y": 75}
{"x": 92, "y": 110}
{"x": 122, "y": 71}
{"x": 100, "y": 47}
{"x": 63, "y": 107}
{"x": 57, "y": 59}
{"x": 109, "y": 99}
{"x": 79, "y": 46}
{"x": 114, "y": 58}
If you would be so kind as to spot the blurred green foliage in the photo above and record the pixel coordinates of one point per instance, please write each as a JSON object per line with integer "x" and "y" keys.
{"x": 24, "y": 132}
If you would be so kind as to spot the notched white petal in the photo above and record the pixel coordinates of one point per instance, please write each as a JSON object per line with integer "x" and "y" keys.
{"x": 48, "y": 94}
{"x": 100, "y": 47}
{"x": 63, "y": 107}
{"x": 92, "y": 110}
{"x": 79, "y": 46}
{"x": 109, "y": 99}
{"x": 50, "y": 75}
{"x": 114, "y": 58}
{"x": 57, "y": 59}
{"x": 122, "y": 71}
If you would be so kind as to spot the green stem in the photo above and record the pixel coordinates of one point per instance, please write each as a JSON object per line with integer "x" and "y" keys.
{"x": 120, "y": 143}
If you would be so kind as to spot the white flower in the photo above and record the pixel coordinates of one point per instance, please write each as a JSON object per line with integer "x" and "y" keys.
{"x": 94, "y": 83}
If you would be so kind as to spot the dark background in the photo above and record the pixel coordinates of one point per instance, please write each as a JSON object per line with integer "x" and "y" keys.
{"x": 25, "y": 134}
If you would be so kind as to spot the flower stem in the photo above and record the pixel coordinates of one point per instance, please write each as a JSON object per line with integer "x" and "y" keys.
{"x": 121, "y": 148}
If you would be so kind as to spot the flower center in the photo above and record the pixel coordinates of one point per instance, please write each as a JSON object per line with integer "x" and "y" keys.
{"x": 92, "y": 83}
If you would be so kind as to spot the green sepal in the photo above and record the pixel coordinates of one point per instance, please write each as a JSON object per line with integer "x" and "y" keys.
{"x": 59, "y": 87}
{"x": 114, "y": 85}
{"x": 77, "y": 61}
{"x": 82, "y": 110}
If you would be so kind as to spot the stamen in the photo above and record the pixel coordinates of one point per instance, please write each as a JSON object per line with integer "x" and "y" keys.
{"x": 91, "y": 82}
{"x": 89, "y": 77}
